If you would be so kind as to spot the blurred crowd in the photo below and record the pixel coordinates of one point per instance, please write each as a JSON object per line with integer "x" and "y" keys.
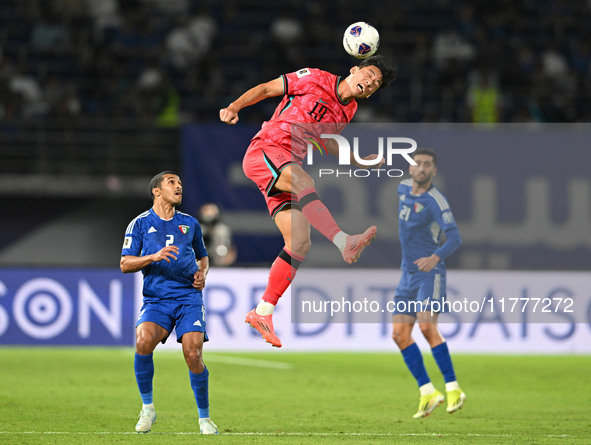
{"x": 174, "y": 60}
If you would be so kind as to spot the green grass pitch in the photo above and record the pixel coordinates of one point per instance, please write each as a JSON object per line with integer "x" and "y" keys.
{"x": 89, "y": 396}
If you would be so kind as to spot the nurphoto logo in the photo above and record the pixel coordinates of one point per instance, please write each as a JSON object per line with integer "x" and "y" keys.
{"x": 387, "y": 149}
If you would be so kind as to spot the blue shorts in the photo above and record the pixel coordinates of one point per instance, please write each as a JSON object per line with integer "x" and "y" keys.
{"x": 417, "y": 290}
{"x": 173, "y": 315}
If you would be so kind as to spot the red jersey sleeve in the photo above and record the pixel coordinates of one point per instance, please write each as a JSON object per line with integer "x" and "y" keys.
{"x": 298, "y": 82}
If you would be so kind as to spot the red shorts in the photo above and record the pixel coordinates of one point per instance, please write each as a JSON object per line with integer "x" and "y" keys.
{"x": 262, "y": 164}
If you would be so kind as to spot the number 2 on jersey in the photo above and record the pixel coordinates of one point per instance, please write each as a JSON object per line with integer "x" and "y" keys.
{"x": 169, "y": 240}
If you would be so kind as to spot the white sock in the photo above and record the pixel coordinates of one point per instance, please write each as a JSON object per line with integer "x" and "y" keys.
{"x": 427, "y": 389}
{"x": 452, "y": 386}
{"x": 340, "y": 240}
{"x": 265, "y": 308}
{"x": 148, "y": 406}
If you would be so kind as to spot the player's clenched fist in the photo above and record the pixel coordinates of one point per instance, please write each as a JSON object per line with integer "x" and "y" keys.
{"x": 228, "y": 116}
{"x": 199, "y": 280}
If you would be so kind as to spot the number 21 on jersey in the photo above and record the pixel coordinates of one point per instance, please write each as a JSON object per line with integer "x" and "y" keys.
{"x": 404, "y": 213}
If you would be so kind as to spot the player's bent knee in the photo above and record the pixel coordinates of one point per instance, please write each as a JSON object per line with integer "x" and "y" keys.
{"x": 146, "y": 341}
{"x": 428, "y": 329}
{"x": 431, "y": 332}
{"x": 143, "y": 346}
{"x": 194, "y": 359}
{"x": 307, "y": 182}
{"x": 401, "y": 338}
{"x": 301, "y": 247}
{"x": 307, "y": 245}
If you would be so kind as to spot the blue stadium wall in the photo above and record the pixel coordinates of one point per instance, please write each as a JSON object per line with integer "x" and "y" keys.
{"x": 521, "y": 194}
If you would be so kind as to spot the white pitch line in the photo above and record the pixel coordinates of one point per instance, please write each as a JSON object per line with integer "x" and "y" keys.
{"x": 122, "y": 433}
{"x": 257, "y": 363}
{"x": 230, "y": 360}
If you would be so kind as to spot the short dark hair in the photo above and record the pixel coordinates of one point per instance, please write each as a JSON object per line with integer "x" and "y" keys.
{"x": 377, "y": 60}
{"x": 428, "y": 152}
{"x": 156, "y": 181}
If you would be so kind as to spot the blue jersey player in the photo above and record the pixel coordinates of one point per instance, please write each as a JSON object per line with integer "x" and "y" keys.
{"x": 423, "y": 215}
{"x": 167, "y": 246}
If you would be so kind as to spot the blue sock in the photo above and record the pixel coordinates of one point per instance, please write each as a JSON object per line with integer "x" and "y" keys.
{"x": 414, "y": 362}
{"x": 443, "y": 360}
{"x": 144, "y": 373}
{"x": 200, "y": 384}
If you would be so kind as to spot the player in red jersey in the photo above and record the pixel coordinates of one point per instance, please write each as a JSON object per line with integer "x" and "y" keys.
{"x": 273, "y": 161}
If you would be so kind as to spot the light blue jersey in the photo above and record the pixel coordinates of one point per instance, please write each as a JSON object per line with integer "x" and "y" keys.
{"x": 421, "y": 221}
{"x": 148, "y": 234}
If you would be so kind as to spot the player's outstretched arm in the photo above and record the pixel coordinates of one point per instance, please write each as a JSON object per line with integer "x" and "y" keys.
{"x": 130, "y": 263}
{"x": 274, "y": 88}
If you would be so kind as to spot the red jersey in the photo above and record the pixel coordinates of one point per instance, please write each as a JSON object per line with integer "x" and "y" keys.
{"x": 311, "y": 97}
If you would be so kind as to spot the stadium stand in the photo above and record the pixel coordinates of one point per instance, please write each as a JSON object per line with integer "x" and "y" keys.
{"x": 127, "y": 58}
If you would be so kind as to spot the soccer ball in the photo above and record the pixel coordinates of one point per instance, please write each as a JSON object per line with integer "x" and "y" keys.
{"x": 361, "y": 40}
